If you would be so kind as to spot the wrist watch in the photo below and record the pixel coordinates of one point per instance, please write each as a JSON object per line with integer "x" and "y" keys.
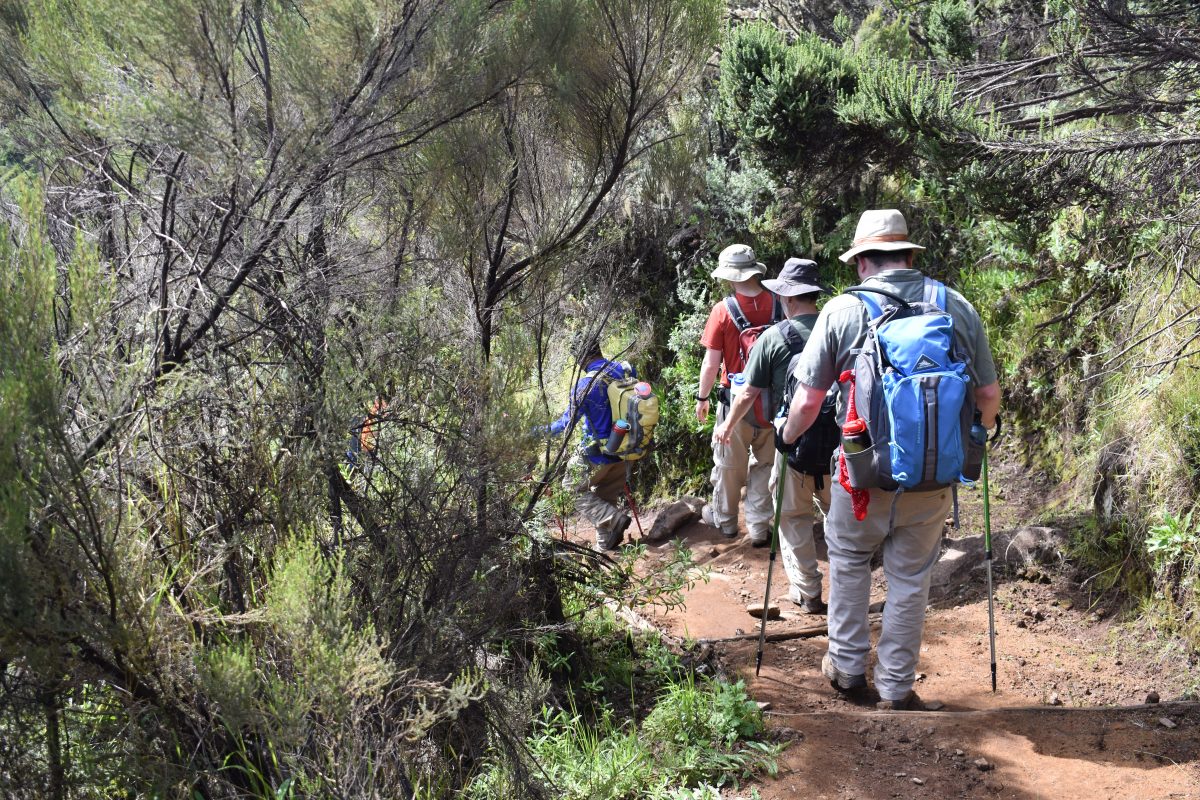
{"x": 703, "y": 399}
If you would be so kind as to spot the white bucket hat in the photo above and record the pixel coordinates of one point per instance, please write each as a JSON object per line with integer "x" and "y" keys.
{"x": 880, "y": 229}
{"x": 738, "y": 263}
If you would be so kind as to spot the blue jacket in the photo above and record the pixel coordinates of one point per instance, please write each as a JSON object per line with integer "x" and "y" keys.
{"x": 592, "y": 405}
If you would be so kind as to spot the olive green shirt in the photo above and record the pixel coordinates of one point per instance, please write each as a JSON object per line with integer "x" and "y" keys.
{"x": 841, "y": 330}
{"x": 767, "y": 364}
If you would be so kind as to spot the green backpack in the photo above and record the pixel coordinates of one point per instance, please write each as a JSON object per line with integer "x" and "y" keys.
{"x": 635, "y": 402}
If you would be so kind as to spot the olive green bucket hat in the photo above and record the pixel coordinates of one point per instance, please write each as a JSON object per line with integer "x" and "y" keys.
{"x": 738, "y": 263}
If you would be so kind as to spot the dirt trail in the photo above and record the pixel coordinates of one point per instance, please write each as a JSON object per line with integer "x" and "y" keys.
{"x": 1069, "y": 719}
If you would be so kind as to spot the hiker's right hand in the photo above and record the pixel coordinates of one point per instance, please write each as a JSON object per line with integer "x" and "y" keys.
{"x": 702, "y": 410}
{"x": 722, "y": 434}
{"x": 780, "y": 444}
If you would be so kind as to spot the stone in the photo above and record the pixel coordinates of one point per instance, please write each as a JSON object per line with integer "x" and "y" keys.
{"x": 1152, "y": 698}
{"x": 918, "y": 781}
{"x": 954, "y": 566}
{"x": 683, "y": 511}
{"x": 763, "y": 705}
{"x": 756, "y": 610}
{"x": 934, "y": 705}
{"x": 1032, "y": 545}
{"x": 982, "y": 764}
{"x": 1167, "y": 723}
{"x": 1054, "y": 700}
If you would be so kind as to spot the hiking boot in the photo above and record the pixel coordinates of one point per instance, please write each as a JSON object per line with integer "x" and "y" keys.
{"x": 810, "y": 605}
{"x": 841, "y": 681}
{"x": 706, "y": 516}
{"x": 814, "y": 605}
{"x": 616, "y": 536}
{"x": 910, "y": 702}
{"x": 619, "y": 529}
{"x": 759, "y": 538}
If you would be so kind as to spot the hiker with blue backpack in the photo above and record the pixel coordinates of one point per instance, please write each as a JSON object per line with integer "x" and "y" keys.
{"x": 617, "y": 413}
{"x": 745, "y": 459}
{"x": 915, "y": 369}
{"x": 806, "y": 478}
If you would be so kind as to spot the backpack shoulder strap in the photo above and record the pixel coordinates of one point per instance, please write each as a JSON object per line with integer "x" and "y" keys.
{"x": 935, "y": 293}
{"x": 874, "y": 310}
{"x": 735, "y": 313}
{"x": 610, "y": 371}
{"x": 777, "y": 311}
{"x": 863, "y": 293}
{"x": 791, "y": 336}
{"x": 601, "y": 376}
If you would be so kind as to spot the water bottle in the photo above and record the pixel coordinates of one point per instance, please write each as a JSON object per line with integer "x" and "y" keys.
{"x": 737, "y": 383}
{"x": 976, "y": 445}
{"x": 619, "y": 429}
{"x": 979, "y": 434}
{"x": 855, "y": 437}
{"x": 643, "y": 390}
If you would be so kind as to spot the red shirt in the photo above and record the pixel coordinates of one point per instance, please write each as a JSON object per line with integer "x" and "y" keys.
{"x": 720, "y": 332}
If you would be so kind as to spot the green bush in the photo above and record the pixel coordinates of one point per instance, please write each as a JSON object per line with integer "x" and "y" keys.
{"x": 948, "y": 29}
{"x": 696, "y": 738}
{"x": 780, "y": 99}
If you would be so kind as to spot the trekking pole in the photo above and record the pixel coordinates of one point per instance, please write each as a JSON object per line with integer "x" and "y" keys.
{"x": 987, "y": 543}
{"x": 781, "y": 465}
{"x": 629, "y": 499}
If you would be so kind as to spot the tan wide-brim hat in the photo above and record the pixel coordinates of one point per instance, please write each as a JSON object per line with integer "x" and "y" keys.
{"x": 880, "y": 229}
{"x": 738, "y": 263}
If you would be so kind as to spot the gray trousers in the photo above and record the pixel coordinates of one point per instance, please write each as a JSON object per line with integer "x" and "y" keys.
{"x": 909, "y": 553}
{"x": 597, "y": 489}
{"x": 745, "y": 461}
{"x": 797, "y": 518}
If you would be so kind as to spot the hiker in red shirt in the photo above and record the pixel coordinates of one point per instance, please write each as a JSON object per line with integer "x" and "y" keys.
{"x": 733, "y": 325}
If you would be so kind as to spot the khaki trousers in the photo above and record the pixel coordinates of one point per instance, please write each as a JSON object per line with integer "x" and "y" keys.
{"x": 797, "y": 518}
{"x": 910, "y": 550}
{"x": 597, "y": 489}
{"x": 745, "y": 462}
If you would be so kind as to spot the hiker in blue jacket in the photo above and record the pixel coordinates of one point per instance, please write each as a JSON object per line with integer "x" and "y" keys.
{"x": 595, "y": 478}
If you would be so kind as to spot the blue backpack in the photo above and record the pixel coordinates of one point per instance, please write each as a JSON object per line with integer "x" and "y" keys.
{"x": 912, "y": 388}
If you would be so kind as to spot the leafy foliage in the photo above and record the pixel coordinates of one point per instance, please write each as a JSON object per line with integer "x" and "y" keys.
{"x": 251, "y": 223}
{"x": 699, "y": 735}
